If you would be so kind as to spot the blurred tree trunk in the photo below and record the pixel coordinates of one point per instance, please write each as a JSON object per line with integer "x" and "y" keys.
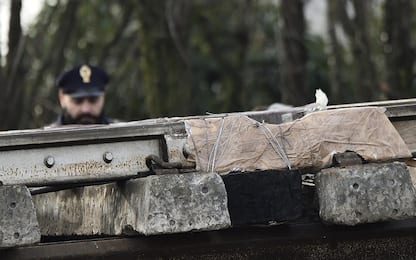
{"x": 164, "y": 60}
{"x": 52, "y": 56}
{"x": 239, "y": 95}
{"x": 19, "y": 94}
{"x": 335, "y": 59}
{"x": 232, "y": 64}
{"x": 294, "y": 89}
{"x": 399, "y": 52}
{"x": 357, "y": 30}
{"x": 10, "y": 100}
{"x": 15, "y": 30}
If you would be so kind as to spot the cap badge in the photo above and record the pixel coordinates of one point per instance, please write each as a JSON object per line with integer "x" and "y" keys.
{"x": 85, "y": 73}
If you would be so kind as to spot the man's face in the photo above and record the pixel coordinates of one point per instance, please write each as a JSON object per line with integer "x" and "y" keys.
{"x": 83, "y": 110}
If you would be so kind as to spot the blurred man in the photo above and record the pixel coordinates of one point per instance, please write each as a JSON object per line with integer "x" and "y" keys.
{"x": 81, "y": 96}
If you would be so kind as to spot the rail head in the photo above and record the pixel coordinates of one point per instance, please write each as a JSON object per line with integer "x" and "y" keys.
{"x": 395, "y": 110}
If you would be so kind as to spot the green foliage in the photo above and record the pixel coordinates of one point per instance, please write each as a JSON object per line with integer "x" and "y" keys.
{"x": 167, "y": 58}
{"x": 175, "y": 58}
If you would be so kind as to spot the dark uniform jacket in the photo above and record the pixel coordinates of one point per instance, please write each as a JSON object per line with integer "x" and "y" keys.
{"x": 60, "y": 121}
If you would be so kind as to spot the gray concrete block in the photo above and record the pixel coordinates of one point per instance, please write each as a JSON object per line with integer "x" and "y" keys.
{"x": 157, "y": 204}
{"x": 18, "y": 222}
{"x": 365, "y": 193}
{"x": 180, "y": 203}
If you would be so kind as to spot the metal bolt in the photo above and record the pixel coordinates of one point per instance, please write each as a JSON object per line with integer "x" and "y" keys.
{"x": 107, "y": 157}
{"x": 49, "y": 161}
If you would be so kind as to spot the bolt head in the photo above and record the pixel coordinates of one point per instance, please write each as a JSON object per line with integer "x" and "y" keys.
{"x": 107, "y": 157}
{"x": 49, "y": 161}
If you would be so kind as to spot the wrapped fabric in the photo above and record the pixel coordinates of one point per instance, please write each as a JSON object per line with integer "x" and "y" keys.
{"x": 239, "y": 143}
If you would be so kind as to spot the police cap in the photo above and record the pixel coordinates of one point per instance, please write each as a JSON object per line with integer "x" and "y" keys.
{"x": 83, "y": 81}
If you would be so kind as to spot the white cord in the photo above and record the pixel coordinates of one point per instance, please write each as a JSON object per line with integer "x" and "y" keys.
{"x": 277, "y": 147}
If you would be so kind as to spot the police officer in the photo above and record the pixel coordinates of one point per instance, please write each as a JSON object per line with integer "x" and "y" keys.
{"x": 81, "y": 96}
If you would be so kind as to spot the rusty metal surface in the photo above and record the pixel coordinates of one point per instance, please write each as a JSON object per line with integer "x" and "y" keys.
{"x": 175, "y": 147}
{"x": 301, "y": 241}
{"x": 70, "y": 135}
{"x": 71, "y": 184}
{"x": 347, "y": 159}
{"x": 76, "y": 163}
{"x": 155, "y": 163}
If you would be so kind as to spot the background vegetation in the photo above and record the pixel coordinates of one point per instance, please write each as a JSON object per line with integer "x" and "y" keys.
{"x": 187, "y": 57}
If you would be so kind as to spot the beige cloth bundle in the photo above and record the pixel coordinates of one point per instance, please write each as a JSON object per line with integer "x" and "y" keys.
{"x": 239, "y": 143}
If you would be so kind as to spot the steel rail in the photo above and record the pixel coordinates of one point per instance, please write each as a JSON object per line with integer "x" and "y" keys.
{"x": 23, "y": 139}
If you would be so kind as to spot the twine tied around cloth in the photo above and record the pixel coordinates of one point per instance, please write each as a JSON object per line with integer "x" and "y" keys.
{"x": 213, "y": 154}
{"x": 277, "y": 147}
{"x": 274, "y": 142}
